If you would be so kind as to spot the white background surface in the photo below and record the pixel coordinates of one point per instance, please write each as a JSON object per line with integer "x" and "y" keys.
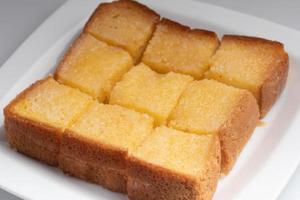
{"x": 18, "y": 18}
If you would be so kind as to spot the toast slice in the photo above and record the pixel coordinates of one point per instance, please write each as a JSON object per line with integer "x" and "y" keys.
{"x": 211, "y": 107}
{"x": 125, "y": 23}
{"x": 95, "y": 147}
{"x": 174, "y": 165}
{"x": 178, "y": 48}
{"x": 255, "y": 64}
{"x": 93, "y": 66}
{"x": 36, "y": 118}
{"x": 146, "y": 91}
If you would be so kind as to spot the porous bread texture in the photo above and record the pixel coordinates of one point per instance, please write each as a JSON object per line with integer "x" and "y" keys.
{"x": 178, "y": 48}
{"x": 255, "y": 64}
{"x": 173, "y": 164}
{"x": 127, "y": 24}
{"x": 146, "y": 91}
{"x": 93, "y": 66}
{"x": 37, "y": 117}
{"x": 210, "y": 107}
{"x": 100, "y": 141}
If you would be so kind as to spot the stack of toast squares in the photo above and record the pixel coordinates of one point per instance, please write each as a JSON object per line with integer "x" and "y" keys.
{"x": 146, "y": 106}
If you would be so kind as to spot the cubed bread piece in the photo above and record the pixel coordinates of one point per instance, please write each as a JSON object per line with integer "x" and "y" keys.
{"x": 255, "y": 64}
{"x": 178, "y": 48}
{"x": 36, "y": 118}
{"x": 99, "y": 141}
{"x": 174, "y": 165}
{"x": 210, "y": 107}
{"x": 93, "y": 66}
{"x": 125, "y": 23}
{"x": 146, "y": 91}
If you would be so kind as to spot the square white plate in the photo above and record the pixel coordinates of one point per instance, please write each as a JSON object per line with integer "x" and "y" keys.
{"x": 265, "y": 165}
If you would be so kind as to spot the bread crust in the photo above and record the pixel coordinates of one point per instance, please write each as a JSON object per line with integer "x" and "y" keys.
{"x": 183, "y": 28}
{"x": 147, "y": 181}
{"x": 275, "y": 81}
{"x": 105, "y": 165}
{"x": 237, "y": 130}
{"x": 24, "y": 134}
{"x": 29, "y": 147}
{"x": 112, "y": 179}
{"x": 274, "y": 85}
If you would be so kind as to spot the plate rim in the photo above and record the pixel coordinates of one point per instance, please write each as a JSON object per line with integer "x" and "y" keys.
{"x": 8, "y": 68}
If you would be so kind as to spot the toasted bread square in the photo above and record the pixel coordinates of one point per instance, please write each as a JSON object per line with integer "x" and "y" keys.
{"x": 255, "y": 64}
{"x": 125, "y": 24}
{"x": 175, "y": 47}
{"x": 36, "y": 118}
{"x": 99, "y": 142}
{"x": 210, "y": 107}
{"x": 146, "y": 91}
{"x": 173, "y": 164}
{"x": 93, "y": 66}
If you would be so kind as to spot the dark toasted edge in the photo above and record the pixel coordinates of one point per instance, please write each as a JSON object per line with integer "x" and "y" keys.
{"x": 274, "y": 85}
{"x": 75, "y": 145}
{"x": 178, "y": 26}
{"x": 250, "y": 39}
{"x": 237, "y": 130}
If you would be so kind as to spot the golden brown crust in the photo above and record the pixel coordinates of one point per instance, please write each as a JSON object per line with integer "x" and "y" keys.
{"x": 147, "y": 181}
{"x": 112, "y": 179}
{"x": 29, "y": 147}
{"x": 180, "y": 27}
{"x": 235, "y": 133}
{"x": 98, "y": 163}
{"x": 92, "y": 151}
{"x": 274, "y": 85}
{"x": 253, "y": 40}
{"x": 160, "y": 183}
{"x": 213, "y": 171}
{"x": 28, "y": 136}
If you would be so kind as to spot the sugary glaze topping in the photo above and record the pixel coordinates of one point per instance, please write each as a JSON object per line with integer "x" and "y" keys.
{"x": 204, "y": 107}
{"x": 176, "y": 150}
{"x": 146, "y": 91}
{"x": 93, "y": 66}
{"x": 52, "y": 103}
{"x": 113, "y": 125}
{"x": 175, "y": 47}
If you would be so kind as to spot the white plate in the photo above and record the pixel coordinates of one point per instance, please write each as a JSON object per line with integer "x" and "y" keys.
{"x": 265, "y": 165}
